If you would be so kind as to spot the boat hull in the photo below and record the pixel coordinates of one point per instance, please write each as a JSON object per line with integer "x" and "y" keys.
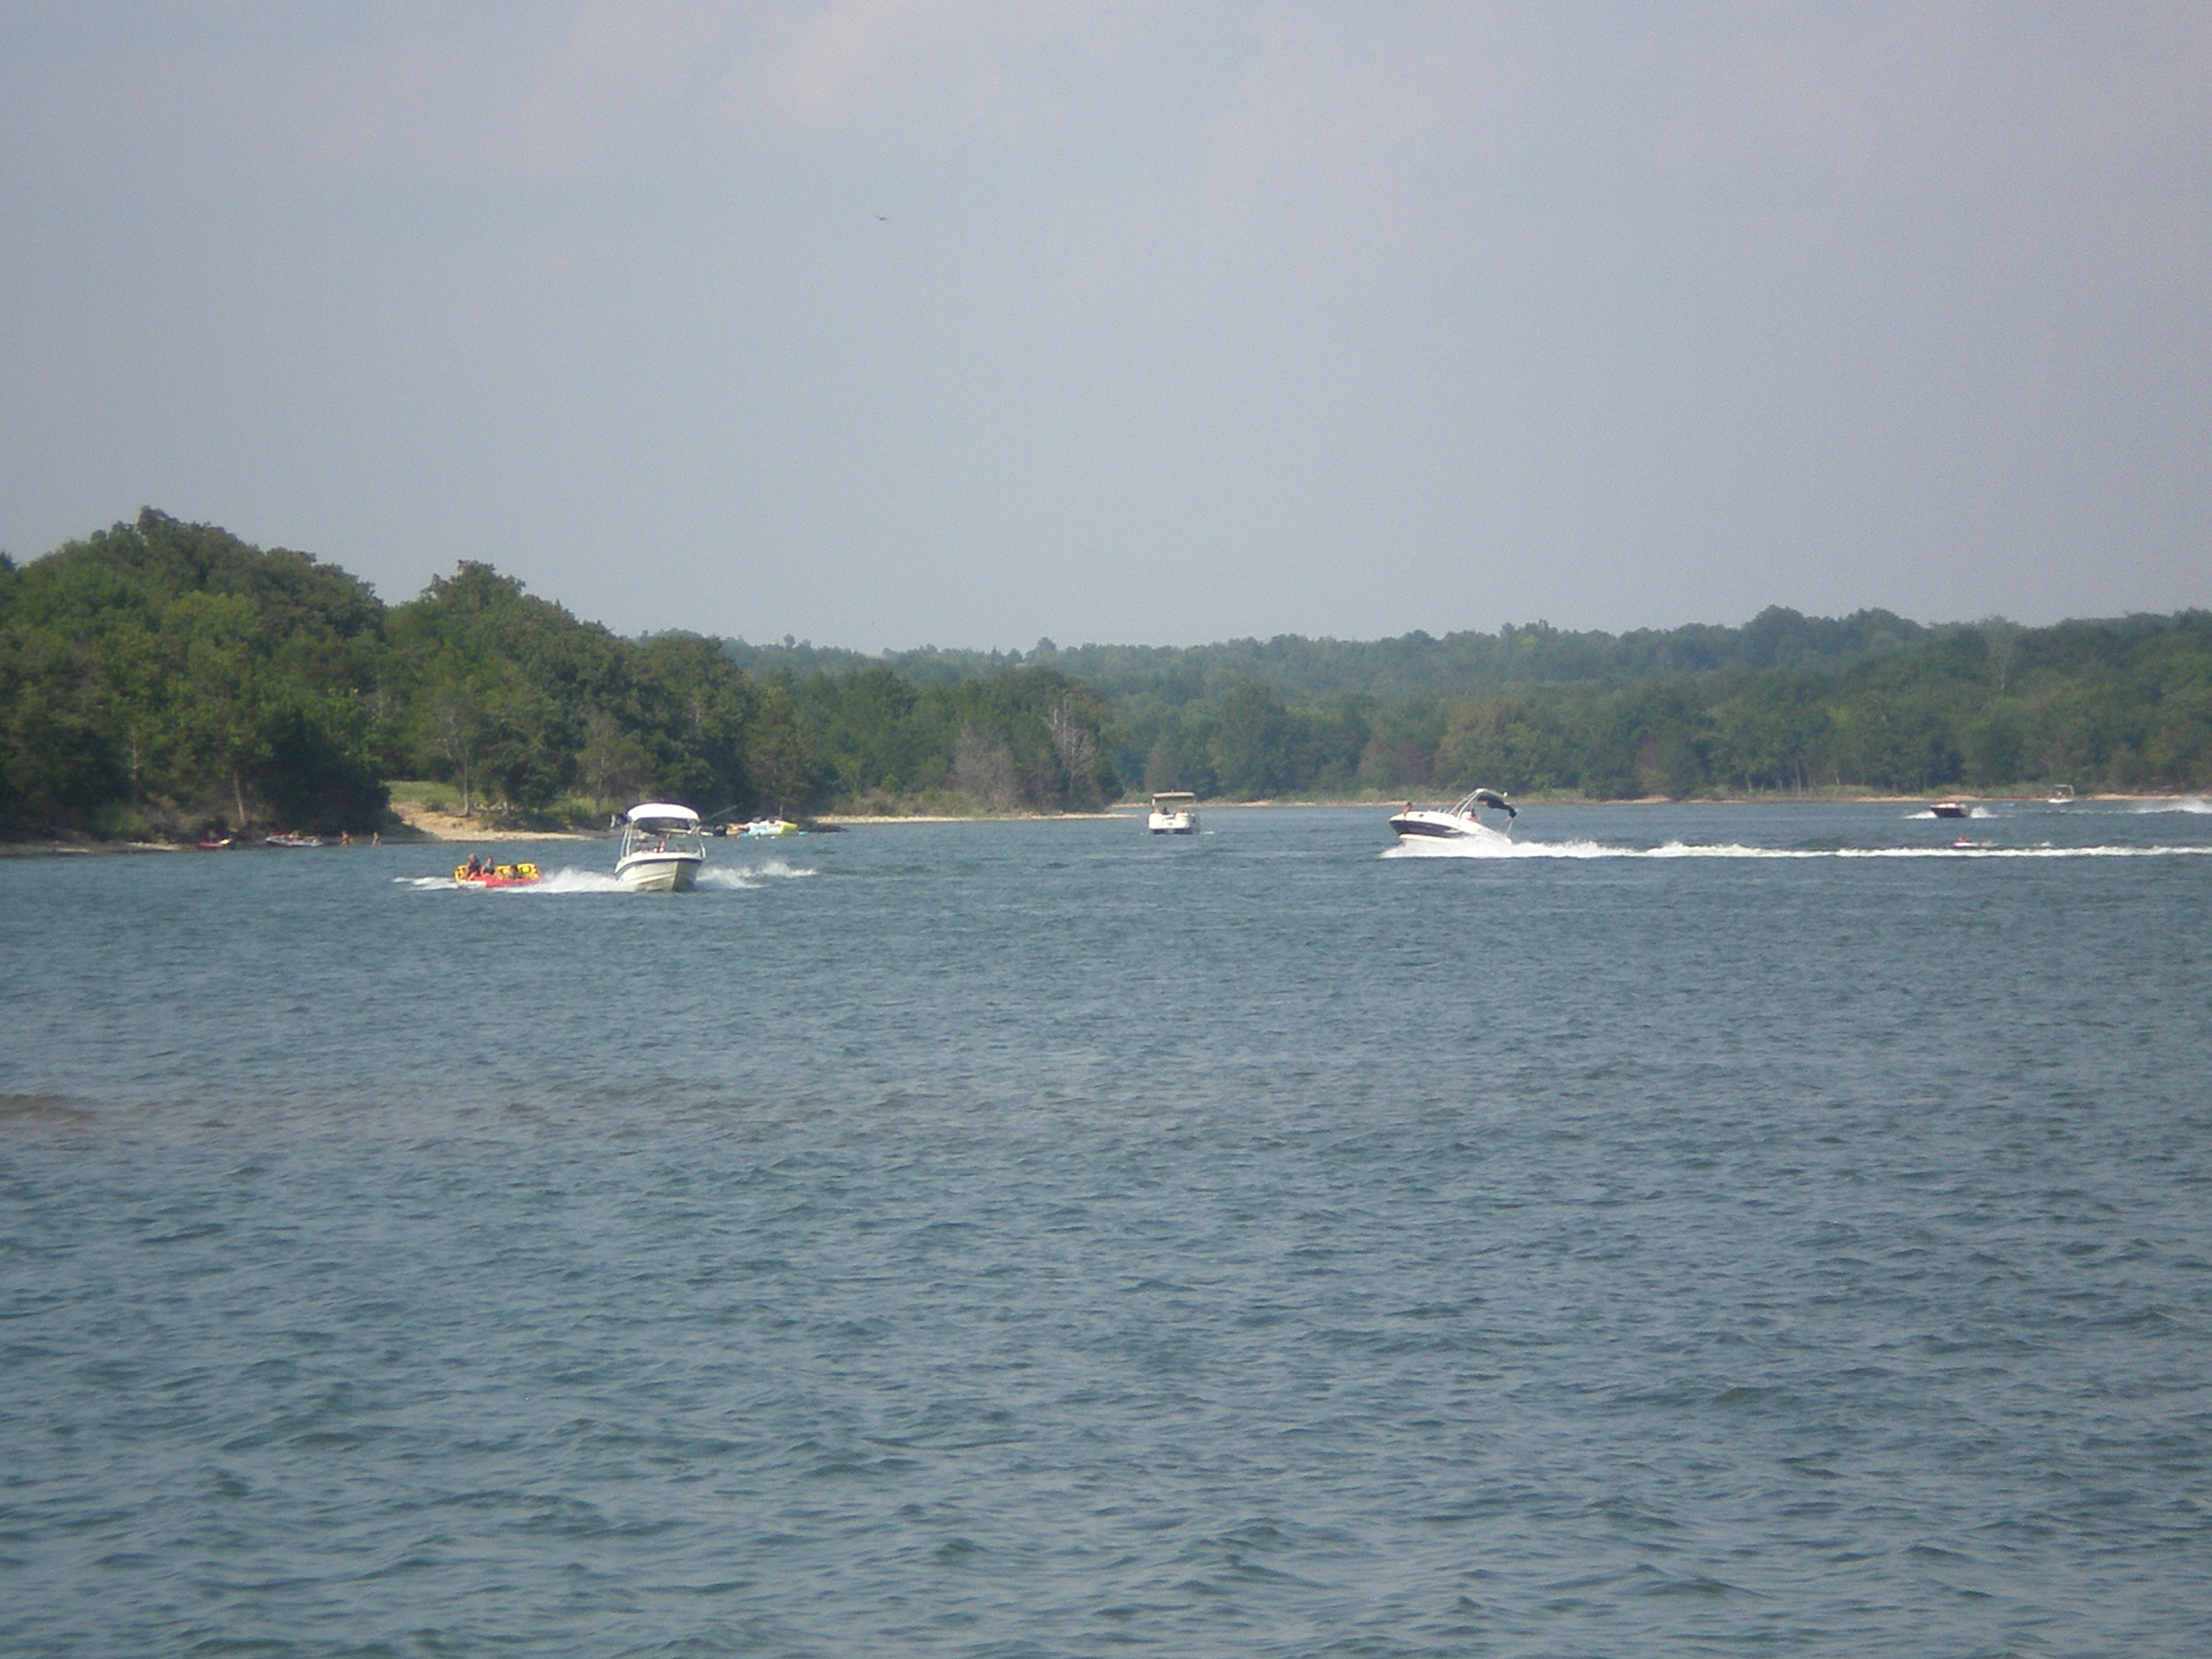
{"x": 1446, "y": 826}
{"x": 658, "y": 872}
{"x": 1175, "y": 824}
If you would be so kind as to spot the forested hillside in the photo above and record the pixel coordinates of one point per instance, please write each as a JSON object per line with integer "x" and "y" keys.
{"x": 161, "y": 671}
{"x": 1785, "y": 702}
{"x": 1457, "y": 664}
{"x": 161, "y": 678}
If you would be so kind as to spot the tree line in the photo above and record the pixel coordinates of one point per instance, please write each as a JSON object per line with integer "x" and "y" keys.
{"x": 1785, "y": 702}
{"x": 161, "y": 678}
{"x": 2125, "y": 707}
{"x": 164, "y": 678}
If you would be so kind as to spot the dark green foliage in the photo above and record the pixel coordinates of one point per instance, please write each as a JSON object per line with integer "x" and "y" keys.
{"x": 1013, "y": 738}
{"x": 512, "y": 699}
{"x": 163, "y": 675}
{"x": 1303, "y": 670}
{"x": 1784, "y": 703}
{"x": 160, "y": 673}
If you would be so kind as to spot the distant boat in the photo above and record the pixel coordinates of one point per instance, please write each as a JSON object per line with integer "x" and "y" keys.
{"x": 1462, "y": 823}
{"x": 1174, "y": 813}
{"x": 761, "y": 827}
{"x": 662, "y": 848}
{"x": 1949, "y": 809}
{"x": 294, "y": 841}
{"x": 2062, "y": 794}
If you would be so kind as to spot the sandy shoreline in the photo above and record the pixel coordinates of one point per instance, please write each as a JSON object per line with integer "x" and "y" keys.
{"x": 451, "y": 826}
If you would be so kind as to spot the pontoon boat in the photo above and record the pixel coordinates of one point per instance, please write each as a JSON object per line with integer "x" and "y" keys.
{"x": 1174, "y": 813}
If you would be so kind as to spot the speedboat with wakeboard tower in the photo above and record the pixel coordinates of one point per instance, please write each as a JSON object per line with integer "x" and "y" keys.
{"x": 662, "y": 848}
{"x": 1462, "y": 823}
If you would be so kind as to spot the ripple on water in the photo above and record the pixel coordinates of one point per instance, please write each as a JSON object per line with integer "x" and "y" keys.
{"x": 1698, "y": 1243}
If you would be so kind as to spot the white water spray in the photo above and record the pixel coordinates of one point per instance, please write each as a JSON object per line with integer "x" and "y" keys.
{"x": 1675, "y": 849}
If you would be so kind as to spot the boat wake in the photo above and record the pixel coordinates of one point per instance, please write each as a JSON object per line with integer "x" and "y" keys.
{"x": 737, "y": 877}
{"x": 570, "y": 880}
{"x": 560, "y": 881}
{"x": 728, "y": 878}
{"x": 1675, "y": 849}
{"x": 2195, "y": 805}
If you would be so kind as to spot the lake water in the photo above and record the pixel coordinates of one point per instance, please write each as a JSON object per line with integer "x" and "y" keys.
{"x": 1715, "y": 1230}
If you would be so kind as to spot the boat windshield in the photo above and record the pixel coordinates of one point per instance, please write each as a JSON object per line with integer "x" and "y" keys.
{"x": 664, "y": 835}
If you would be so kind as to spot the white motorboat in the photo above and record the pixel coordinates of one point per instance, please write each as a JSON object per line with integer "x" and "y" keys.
{"x": 1462, "y": 823}
{"x": 1174, "y": 813}
{"x": 2062, "y": 794}
{"x": 662, "y": 848}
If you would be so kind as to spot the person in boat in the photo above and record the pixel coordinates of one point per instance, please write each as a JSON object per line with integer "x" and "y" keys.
{"x": 474, "y": 866}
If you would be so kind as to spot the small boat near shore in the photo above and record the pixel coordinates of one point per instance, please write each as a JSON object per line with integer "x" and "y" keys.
{"x": 292, "y": 840}
{"x": 1175, "y": 813}
{"x": 663, "y": 847}
{"x": 1948, "y": 809}
{"x": 1462, "y": 822}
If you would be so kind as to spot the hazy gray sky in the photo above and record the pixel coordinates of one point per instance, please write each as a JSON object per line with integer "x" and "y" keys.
{"x": 966, "y": 323}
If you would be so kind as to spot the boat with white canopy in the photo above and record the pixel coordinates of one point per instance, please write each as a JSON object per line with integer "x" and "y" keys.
{"x": 1175, "y": 813}
{"x": 662, "y": 848}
